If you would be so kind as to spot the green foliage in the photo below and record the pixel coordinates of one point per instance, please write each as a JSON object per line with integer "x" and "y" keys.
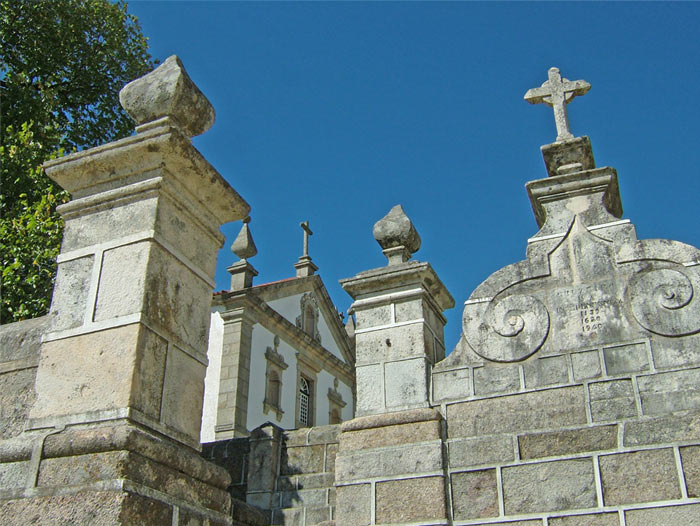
{"x": 62, "y": 64}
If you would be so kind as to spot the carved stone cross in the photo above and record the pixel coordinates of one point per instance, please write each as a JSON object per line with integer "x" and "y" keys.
{"x": 557, "y": 92}
{"x": 307, "y": 232}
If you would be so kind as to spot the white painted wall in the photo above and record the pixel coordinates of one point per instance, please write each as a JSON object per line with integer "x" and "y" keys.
{"x": 211, "y": 380}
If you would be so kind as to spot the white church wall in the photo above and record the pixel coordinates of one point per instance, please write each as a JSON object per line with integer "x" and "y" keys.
{"x": 348, "y": 411}
{"x": 289, "y": 307}
{"x": 327, "y": 339}
{"x": 211, "y": 380}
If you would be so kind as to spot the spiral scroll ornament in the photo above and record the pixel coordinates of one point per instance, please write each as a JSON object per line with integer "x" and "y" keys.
{"x": 665, "y": 301}
{"x": 507, "y": 329}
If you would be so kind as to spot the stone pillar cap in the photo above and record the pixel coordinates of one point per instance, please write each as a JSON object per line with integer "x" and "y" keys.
{"x": 167, "y": 94}
{"x": 244, "y": 246}
{"x": 397, "y": 236}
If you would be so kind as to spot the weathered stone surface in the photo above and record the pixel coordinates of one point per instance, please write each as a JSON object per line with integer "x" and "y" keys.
{"x": 22, "y": 340}
{"x": 452, "y": 385}
{"x": 331, "y": 453}
{"x": 688, "y": 515}
{"x": 315, "y": 480}
{"x": 662, "y": 430}
{"x": 597, "y": 519}
{"x": 546, "y": 371}
{"x": 390, "y": 435}
{"x": 586, "y": 365}
{"x": 676, "y": 352}
{"x": 469, "y": 452}
{"x": 625, "y": 359}
{"x": 410, "y": 500}
{"x": 96, "y": 507}
{"x": 70, "y": 294}
{"x": 16, "y": 398}
{"x": 517, "y": 413}
{"x": 354, "y": 505}
{"x": 370, "y": 388}
{"x": 612, "y": 400}
{"x": 168, "y": 91}
{"x": 316, "y": 516}
{"x": 690, "y": 457}
{"x": 14, "y": 474}
{"x": 391, "y": 419}
{"x": 183, "y": 393}
{"x": 664, "y": 393}
{"x": 300, "y": 498}
{"x": 396, "y": 229}
{"x": 397, "y": 460}
{"x": 122, "y": 281}
{"x": 288, "y": 517}
{"x": 496, "y": 379}
{"x": 376, "y": 316}
{"x": 474, "y": 494}
{"x": 405, "y": 384}
{"x": 549, "y": 486}
{"x": 303, "y": 459}
{"x": 653, "y": 472}
{"x": 556, "y": 443}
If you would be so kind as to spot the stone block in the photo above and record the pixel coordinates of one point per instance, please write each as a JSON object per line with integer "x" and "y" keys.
{"x": 288, "y": 517}
{"x": 315, "y": 516}
{"x": 406, "y": 384}
{"x": 571, "y": 441}
{"x": 413, "y": 309}
{"x": 536, "y": 522}
{"x": 390, "y": 435}
{"x": 612, "y": 400}
{"x": 390, "y": 344}
{"x": 86, "y": 373}
{"x": 375, "y": 316}
{"x": 354, "y": 505}
{"x": 452, "y": 385}
{"x": 304, "y": 497}
{"x": 690, "y": 458}
{"x": 687, "y": 515}
{"x": 331, "y": 453}
{"x": 370, "y": 389}
{"x": 410, "y": 500}
{"x": 21, "y": 340}
{"x": 676, "y": 352}
{"x": 664, "y": 393}
{"x": 70, "y": 293}
{"x": 662, "y": 430}
{"x": 183, "y": 393}
{"x": 86, "y": 507}
{"x": 323, "y": 434}
{"x": 122, "y": 281}
{"x": 546, "y": 371}
{"x": 594, "y": 519}
{"x": 519, "y": 413}
{"x": 83, "y": 469}
{"x": 16, "y": 398}
{"x": 302, "y": 459}
{"x": 549, "y": 486}
{"x": 625, "y": 359}
{"x": 496, "y": 378}
{"x": 586, "y": 365}
{"x": 464, "y": 453}
{"x": 475, "y": 494}
{"x": 314, "y": 480}
{"x": 388, "y": 462}
{"x": 14, "y": 474}
{"x": 653, "y": 472}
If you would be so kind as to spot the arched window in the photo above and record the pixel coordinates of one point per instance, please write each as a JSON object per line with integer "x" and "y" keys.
{"x": 304, "y": 402}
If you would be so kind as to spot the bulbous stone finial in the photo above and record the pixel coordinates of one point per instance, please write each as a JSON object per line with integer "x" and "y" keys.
{"x": 397, "y": 236}
{"x": 167, "y": 95}
{"x": 244, "y": 246}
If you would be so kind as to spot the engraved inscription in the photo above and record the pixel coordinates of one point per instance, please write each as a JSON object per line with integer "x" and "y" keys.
{"x": 592, "y": 318}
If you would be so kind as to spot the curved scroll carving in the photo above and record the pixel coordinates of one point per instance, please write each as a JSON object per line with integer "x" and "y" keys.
{"x": 665, "y": 301}
{"x": 507, "y": 329}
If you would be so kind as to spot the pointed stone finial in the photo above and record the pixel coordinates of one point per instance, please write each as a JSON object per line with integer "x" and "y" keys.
{"x": 244, "y": 246}
{"x": 167, "y": 96}
{"x": 397, "y": 236}
{"x": 242, "y": 272}
{"x": 557, "y": 92}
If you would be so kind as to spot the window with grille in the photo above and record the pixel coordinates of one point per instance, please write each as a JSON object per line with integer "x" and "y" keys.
{"x": 304, "y": 402}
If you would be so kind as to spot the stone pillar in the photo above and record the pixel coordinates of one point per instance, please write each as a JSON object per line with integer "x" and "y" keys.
{"x": 400, "y": 327}
{"x": 263, "y": 465}
{"x": 113, "y": 436}
{"x": 232, "y": 409}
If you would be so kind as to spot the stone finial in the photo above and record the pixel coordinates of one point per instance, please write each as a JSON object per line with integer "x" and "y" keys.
{"x": 167, "y": 95}
{"x": 244, "y": 246}
{"x": 242, "y": 272}
{"x": 397, "y": 236}
{"x": 557, "y": 92}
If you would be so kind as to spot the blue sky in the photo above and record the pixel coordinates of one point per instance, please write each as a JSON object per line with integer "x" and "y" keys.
{"x": 335, "y": 112}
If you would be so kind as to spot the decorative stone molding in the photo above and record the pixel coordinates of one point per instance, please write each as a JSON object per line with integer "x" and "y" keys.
{"x": 307, "y": 321}
{"x": 275, "y": 365}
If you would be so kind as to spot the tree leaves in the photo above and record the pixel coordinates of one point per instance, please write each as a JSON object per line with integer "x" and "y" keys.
{"x": 62, "y": 65}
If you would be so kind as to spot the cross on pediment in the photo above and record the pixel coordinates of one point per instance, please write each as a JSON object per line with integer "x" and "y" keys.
{"x": 307, "y": 232}
{"x": 557, "y": 92}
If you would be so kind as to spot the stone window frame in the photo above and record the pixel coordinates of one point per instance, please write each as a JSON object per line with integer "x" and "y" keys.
{"x": 335, "y": 403}
{"x": 308, "y": 320}
{"x": 275, "y": 365}
{"x": 307, "y": 370}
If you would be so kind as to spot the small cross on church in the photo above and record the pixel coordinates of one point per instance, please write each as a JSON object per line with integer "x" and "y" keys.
{"x": 557, "y": 92}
